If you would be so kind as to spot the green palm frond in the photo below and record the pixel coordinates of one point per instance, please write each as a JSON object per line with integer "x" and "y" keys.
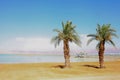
{"x": 56, "y": 40}
{"x": 112, "y": 42}
{"x": 58, "y": 31}
{"x": 63, "y": 25}
{"x": 98, "y": 27}
{"x": 97, "y": 46}
{"x": 90, "y": 40}
{"x": 115, "y": 35}
{"x": 112, "y": 30}
{"x": 91, "y": 35}
{"x": 76, "y": 40}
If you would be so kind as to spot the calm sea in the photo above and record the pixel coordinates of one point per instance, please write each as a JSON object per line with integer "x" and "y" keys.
{"x": 38, "y": 58}
{"x": 28, "y": 58}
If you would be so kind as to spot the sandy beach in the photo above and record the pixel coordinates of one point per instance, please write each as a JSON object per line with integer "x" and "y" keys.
{"x": 55, "y": 71}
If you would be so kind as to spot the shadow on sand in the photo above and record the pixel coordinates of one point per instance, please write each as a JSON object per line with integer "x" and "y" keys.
{"x": 59, "y": 66}
{"x": 93, "y": 66}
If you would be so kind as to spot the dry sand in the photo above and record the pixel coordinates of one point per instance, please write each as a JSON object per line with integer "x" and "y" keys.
{"x": 54, "y": 71}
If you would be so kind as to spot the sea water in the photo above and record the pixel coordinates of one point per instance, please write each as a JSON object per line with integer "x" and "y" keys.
{"x": 28, "y": 58}
{"x": 38, "y": 58}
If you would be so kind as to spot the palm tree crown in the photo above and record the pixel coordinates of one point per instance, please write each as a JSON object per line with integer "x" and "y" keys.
{"x": 104, "y": 33}
{"x": 67, "y": 33}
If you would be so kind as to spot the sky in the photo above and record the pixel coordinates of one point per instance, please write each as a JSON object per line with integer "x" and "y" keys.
{"x": 28, "y": 24}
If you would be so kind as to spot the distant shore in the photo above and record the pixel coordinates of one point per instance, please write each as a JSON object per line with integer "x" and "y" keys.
{"x": 54, "y": 71}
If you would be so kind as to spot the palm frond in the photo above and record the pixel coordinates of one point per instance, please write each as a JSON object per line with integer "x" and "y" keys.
{"x": 58, "y": 31}
{"x": 115, "y": 35}
{"x": 76, "y": 40}
{"x": 91, "y": 35}
{"x": 112, "y": 30}
{"x": 112, "y": 42}
{"x": 90, "y": 40}
{"x": 56, "y": 40}
{"x": 63, "y": 25}
{"x": 97, "y": 46}
{"x": 98, "y": 28}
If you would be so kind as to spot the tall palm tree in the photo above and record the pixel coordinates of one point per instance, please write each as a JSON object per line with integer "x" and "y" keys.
{"x": 67, "y": 34}
{"x": 104, "y": 34}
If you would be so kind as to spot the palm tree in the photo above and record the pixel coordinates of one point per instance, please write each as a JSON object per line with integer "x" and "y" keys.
{"x": 67, "y": 34}
{"x": 104, "y": 34}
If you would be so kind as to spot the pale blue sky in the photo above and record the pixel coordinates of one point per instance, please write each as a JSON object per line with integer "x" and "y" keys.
{"x": 37, "y": 18}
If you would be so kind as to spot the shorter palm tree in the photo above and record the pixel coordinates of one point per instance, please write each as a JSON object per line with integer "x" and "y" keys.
{"x": 104, "y": 34}
{"x": 67, "y": 34}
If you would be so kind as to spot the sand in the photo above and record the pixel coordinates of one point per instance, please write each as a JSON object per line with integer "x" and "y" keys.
{"x": 54, "y": 71}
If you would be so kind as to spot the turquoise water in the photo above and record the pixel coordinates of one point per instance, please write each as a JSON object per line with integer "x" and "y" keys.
{"x": 16, "y": 58}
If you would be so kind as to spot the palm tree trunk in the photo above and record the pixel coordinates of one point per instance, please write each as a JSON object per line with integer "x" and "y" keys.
{"x": 66, "y": 54}
{"x": 101, "y": 53}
